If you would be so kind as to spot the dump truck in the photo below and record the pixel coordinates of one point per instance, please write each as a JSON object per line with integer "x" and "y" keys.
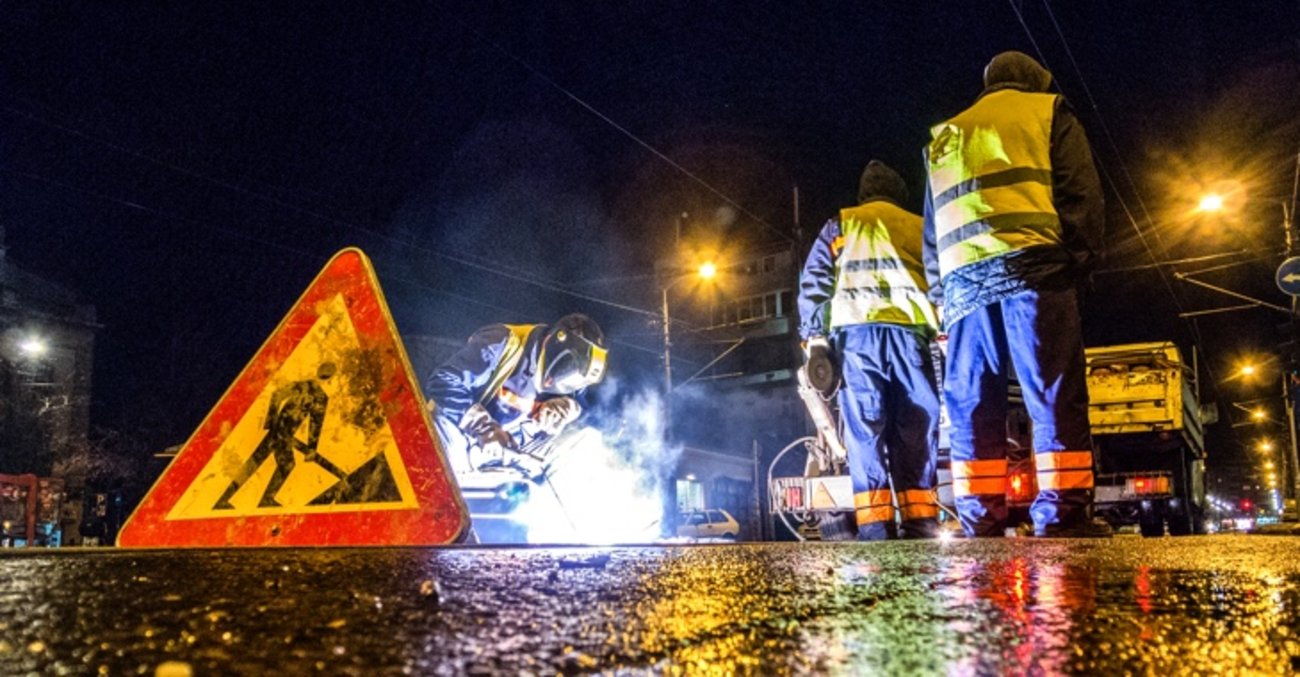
{"x": 1148, "y": 432}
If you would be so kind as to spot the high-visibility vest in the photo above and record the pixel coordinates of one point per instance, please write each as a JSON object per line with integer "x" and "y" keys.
{"x": 511, "y": 354}
{"x": 991, "y": 179}
{"x": 880, "y": 276}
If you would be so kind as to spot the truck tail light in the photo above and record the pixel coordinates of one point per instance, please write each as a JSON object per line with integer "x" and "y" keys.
{"x": 1146, "y": 486}
{"x": 1019, "y": 486}
{"x": 794, "y": 497}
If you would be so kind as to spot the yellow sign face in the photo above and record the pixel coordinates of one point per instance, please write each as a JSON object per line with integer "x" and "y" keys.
{"x": 315, "y": 439}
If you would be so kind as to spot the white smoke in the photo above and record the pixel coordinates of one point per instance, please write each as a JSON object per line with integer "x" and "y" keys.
{"x": 606, "y": 484}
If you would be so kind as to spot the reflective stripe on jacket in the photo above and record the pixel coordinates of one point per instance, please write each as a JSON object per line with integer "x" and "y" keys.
{"x": 880, "y": 277}
{"x": 495, "y": 357}
{"x": 990, "y": 174}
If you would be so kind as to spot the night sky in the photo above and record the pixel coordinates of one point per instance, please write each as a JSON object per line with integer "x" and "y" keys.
{"x": 187, "y": 170}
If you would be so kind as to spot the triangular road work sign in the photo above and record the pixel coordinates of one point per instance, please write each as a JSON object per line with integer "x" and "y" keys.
{"x": 323, "y": 439}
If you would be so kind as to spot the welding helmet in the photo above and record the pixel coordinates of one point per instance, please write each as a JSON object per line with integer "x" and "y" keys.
{"x": 573, "y": 356}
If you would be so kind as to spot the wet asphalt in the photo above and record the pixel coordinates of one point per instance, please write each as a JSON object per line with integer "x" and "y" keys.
{"x": 1198, "y": 605}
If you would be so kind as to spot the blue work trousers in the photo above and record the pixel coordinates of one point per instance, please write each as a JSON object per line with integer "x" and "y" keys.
{"x": 1038, "y": 333}
{"x": 890, "y": 407}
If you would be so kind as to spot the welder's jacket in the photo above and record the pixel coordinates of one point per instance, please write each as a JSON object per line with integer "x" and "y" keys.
{"x": 497, "y": 369}
{"x": 1012, "y": 200}
{"x": 865, "y": 267}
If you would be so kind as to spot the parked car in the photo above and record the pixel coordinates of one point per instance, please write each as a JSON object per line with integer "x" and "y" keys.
{"x": 710, "y": 523}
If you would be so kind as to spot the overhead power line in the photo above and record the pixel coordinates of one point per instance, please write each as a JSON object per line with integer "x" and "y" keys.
{"x": 464, "y": 260}
{"x": 1194, "y": 328}
{"x": 631, "y": 135}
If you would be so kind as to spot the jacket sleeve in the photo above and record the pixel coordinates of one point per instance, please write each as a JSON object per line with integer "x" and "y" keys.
{"x": 929, "y": 250}
{"x": 458, "y": 383}
{"x": 1076, "y": 189}
{"x": 817, "y": 282}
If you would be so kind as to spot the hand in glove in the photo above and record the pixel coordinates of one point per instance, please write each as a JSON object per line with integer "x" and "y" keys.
{"x": 491, "y": 440}
{"x": 554, "y": 414}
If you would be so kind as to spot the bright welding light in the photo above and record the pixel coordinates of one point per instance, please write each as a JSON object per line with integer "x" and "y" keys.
{"x": 596, "y": 497}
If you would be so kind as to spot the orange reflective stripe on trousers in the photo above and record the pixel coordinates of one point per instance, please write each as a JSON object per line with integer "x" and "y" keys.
{"x": 1061, "y": 470}
{"x": 873, "y": 506}
{"x": 918, "y": 504}
{"x": 987, "y": 477}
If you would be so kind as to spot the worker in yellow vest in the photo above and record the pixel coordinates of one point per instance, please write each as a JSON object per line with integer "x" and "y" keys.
{"x": 507, "y": 375}
{"x": 1012, "y": 205}
{"x": 863, "y": 298}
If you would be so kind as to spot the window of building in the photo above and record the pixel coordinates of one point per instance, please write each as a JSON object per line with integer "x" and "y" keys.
{"x": 690, "y": 495}
{"x": 758, "y": 307}
{"x": 36, "y": 372}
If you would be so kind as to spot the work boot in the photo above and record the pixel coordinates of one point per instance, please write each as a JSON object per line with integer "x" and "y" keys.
{"x": 919, "y": 529}
{"x": 1090, "y": 528}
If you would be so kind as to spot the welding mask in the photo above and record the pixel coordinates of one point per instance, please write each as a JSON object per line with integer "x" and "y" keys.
{"x": 573, "y": 356}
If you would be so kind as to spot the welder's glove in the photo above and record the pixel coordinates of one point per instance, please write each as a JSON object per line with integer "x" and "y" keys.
{"x": 491, "y": 441}
{"x": 554, "y": 414}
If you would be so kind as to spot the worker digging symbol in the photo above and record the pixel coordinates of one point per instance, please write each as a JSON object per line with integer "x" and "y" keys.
{"x": 291, "y": 405}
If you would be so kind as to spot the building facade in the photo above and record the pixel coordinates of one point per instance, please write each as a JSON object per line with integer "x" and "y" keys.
{"x": 46, "y": 358}
{"x": 735, "y": 403}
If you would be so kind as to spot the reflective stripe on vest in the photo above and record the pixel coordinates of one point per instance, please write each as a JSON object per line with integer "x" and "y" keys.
{"x": 515, "y": 401}
{"x": 990, "y": 172}
{"x": 511, "y": 354}
{"x": 873, "y": 506}
{"x": 916, "y": 504}
{"x": 979, "y": 477}
{"x": 880, "y": 276}
{"x": 1064, "y": 469}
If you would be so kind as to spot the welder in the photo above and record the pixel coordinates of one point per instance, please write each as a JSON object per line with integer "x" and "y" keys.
{"x": 509, "y": 381}
{"x": 1013, "y": 204}
{"x": 862, "y": 299}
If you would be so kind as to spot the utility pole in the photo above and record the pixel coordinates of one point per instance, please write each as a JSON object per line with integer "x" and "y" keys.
{"x": 1291, "y": 376}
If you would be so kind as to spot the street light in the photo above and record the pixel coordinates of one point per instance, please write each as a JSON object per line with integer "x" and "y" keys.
{"x": 33, "y": 347}
{"x": 1265, "y": 446}
{"x": 706, "y": 271}
{"x": 1211, "y": 203}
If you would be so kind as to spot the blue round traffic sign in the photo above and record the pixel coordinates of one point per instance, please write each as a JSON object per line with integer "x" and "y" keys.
{"x": 1288, "y": 276}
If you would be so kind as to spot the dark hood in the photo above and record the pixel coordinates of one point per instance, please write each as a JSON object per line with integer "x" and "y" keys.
{"x": 880, "y": 181}
{"x": 1016, "y": 70}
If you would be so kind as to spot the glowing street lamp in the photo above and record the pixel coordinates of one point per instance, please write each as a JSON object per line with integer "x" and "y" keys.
{"x": 1258, "y": 414}
{"x": 33, "y": 347}
{"x": 1265, "y": 446}
{"x": 1211, "y": 202}
{"x": 1247, "y": 370}
{"x": 706, "y": 271}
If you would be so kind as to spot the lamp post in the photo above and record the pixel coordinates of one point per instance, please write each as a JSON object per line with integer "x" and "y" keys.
{"x": 706, "y": 271}
{"x": 1288, "y": 281}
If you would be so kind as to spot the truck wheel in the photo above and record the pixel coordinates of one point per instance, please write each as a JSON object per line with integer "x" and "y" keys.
{"x": 1180, "y": 523}
{"x": 1198, "y": 523}
{"x": 1151, "y": 526}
